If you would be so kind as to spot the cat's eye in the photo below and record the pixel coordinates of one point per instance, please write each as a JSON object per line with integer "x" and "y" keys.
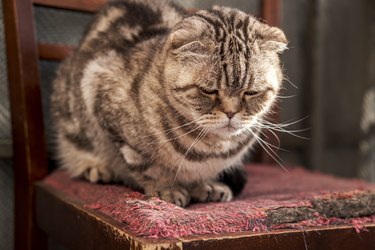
{"x": 209, "y": 92}
{"x": 252, "y": 93}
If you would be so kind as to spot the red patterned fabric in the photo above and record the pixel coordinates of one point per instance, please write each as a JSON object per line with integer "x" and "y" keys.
{"x": 269, "y": 196}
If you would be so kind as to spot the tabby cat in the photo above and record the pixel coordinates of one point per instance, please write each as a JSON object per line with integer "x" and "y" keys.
{"x": 166, "y": 102}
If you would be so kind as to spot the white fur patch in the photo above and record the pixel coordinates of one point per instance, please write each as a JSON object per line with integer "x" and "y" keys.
{"x": 272, "y": 78}
{"x": 130, "y": 156}
{"x": 87, "y": 85}
{"x": 101, "y": 65}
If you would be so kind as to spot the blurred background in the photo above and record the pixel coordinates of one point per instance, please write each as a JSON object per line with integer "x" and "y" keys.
{"x": 330, "y": 91}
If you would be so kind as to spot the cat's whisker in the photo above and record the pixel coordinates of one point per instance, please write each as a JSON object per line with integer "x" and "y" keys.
{"x": 168, "y": 131}
{"x": 265, "y": 135}
{"x": 261, "y": 132}
{"x": 290, "y": 82}
{"x": 199, "y": 137}
{"x": 192, "y": 144}
{"x": 270, "y": 144}
{"x": 270, "y": 152}
{"x": 290, "y": 132}
{"x": 281, "y": 127}
{"x": 174, "y": 138}
{"x": 285, "y": 96}
{"x": 286, "y": 130}
{"x": 285, "y": 124}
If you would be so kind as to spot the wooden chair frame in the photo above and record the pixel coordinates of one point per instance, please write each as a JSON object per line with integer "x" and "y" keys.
{"x": 30, "y": 157}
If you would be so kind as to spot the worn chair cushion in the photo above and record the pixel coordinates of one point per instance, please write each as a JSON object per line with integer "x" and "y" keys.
{"x": 272, "y": 199}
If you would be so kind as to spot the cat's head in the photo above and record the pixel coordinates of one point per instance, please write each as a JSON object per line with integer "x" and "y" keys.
{"x": 223, "y": 70}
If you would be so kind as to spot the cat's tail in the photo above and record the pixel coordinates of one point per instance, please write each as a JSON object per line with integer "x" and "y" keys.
{"x": 235, "y": 178}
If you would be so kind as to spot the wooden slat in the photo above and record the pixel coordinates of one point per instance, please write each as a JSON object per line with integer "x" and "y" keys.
{"x": 82, "y": 5}
{"x": 54, "y": 52}
{"x": 318, "y": 238}
{"x": 271, "y": 11}
{"x": 29, "y": 161}
{"x": 79, "y": 5}
{"x": 67, "y": 219}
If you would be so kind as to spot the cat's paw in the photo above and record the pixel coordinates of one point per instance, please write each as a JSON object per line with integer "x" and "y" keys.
{"x": 211, "y": 191}
{"x": 178, "y": 196}
{"x": 95, "y": 175}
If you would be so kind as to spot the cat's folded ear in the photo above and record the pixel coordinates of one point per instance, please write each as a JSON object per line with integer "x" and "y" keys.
{"x": 272, "y": 39}
{"x": 187, "y": 41}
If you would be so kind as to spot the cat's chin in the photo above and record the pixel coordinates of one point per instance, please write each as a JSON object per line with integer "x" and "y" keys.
{"x": 227, "y": 131}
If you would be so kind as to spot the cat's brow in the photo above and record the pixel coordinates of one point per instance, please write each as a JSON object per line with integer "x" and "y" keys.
{"x": 185, "y": 88}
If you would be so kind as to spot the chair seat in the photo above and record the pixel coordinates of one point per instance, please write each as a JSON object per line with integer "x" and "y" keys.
{"x": 276, "y": 208}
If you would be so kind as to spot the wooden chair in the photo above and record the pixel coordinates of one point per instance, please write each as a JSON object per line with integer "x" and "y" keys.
{"x": 60, "y": 217}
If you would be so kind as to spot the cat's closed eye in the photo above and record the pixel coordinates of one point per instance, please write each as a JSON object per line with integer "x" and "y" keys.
{"x": 252, "y": 93}
{"x": 255, "y": 93}
{"x": 211, "y": 92}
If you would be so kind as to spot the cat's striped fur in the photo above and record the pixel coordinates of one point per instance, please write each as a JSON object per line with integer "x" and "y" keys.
{"x": 164, "y": 101}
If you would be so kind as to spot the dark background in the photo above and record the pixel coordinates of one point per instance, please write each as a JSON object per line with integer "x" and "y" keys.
{"x": 331, "y": 61}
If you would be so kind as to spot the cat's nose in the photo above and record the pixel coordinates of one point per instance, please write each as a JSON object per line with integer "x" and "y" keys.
{"x": 230, "y": 114}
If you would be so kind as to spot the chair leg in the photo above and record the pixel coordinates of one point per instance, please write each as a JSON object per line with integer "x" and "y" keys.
{"x": 27, "y": 235}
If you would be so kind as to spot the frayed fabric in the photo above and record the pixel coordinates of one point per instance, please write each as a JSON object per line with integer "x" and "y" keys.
{"x": 272, "y": 200}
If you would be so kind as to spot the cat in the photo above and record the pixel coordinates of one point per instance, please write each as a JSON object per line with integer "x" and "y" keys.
{"x": 166, "y": 102}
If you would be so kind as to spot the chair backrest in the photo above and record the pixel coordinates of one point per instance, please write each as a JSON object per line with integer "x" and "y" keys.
{"x": 29, "y": 147}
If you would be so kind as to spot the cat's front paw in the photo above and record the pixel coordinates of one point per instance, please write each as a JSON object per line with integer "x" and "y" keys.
{"x": 211, "y": 191}
{"x": 177, "y": 195}
{"x": 95, "y": 175}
